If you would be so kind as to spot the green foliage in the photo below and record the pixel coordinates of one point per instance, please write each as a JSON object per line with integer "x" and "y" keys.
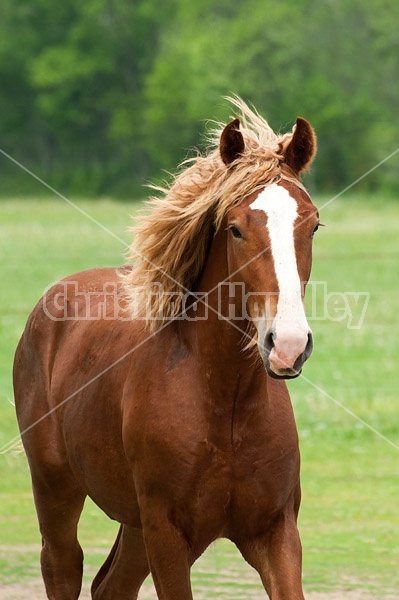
{"x": 100, "y": 96}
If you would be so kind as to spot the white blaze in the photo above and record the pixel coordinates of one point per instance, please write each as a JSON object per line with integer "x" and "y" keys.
{"x": 281, "y": 211}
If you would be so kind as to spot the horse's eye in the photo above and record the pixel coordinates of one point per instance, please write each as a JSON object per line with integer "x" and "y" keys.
{"x": 315, "y": 229}
{"x": 235, "y": 231}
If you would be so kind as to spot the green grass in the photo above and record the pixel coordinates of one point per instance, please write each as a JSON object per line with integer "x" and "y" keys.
{"x": 346, "y": 402}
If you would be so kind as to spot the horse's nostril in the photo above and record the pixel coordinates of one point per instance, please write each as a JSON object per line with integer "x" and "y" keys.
{"x": 309, "y": 346}
{"x": 269, "y": 341}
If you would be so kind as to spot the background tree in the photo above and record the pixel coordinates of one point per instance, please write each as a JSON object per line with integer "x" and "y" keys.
{"x": 99, "y": 96}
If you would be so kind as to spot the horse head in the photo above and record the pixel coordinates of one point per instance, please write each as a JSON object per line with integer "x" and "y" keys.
{"x": 269, "y": 250}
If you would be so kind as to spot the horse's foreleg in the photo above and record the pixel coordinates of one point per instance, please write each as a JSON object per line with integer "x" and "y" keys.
{"x": 125, "y": 569}
{"x": 277, "y": 556}
{"x": 169, "y": 555}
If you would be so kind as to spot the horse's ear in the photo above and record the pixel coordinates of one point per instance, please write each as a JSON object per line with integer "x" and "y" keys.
{"x": 301, "y": 150}
{"x": 231, "y": 142}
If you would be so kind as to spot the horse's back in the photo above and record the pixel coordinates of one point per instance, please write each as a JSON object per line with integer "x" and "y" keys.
{"x": 74, "y": 312}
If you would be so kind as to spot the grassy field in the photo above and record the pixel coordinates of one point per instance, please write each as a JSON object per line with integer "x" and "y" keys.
{"x": 345, "y": 403}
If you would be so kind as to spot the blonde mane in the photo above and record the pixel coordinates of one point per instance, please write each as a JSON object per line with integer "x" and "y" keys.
{"x": 172, "y": 240}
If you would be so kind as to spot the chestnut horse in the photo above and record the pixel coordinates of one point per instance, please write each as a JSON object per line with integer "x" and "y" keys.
{"x": 158, "y": 389}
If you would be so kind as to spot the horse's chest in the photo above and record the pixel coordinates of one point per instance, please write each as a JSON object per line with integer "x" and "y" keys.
{"x": 245, "y": 489}
{"x": 213, "y": 468}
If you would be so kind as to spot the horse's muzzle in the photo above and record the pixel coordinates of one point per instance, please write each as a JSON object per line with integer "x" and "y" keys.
{"x": 281, "y": 365}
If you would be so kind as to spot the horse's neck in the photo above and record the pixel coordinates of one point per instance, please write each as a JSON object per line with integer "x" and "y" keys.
{"x": 219, "y": 340}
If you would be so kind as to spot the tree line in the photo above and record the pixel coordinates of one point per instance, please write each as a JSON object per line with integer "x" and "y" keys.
{"x": 100, "y": 96}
